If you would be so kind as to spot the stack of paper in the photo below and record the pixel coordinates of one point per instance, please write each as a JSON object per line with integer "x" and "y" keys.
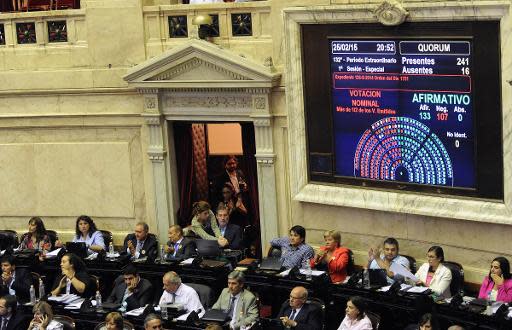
{"x": 136, "y": 312}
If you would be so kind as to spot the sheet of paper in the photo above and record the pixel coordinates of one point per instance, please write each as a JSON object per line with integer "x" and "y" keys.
{"x": 187, "y": 261}
{"x": 401, "y": 270}
{"x": 53, "y": 254}
{"x": 417, "y": 289}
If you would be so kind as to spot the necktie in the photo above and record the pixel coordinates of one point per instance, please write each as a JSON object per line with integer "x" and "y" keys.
{"x": 173, "y": 297}
{"x": 293, "y": 314}
{"x": 175, "y": 248}
{"x": 231, "y": 306}
{"x": 4, "y": 323}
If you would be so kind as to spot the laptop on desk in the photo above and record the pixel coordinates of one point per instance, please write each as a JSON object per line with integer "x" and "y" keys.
{"x": 78, "y": 248}
{"x": 271, "y": 263}
{"x": 215, "y": 315}
{"x": 208, "y": 248}
{"x": 378, "y": 278}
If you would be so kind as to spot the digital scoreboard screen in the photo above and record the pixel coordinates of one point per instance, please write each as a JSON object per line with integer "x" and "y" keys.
{"x": 402, "y": 110}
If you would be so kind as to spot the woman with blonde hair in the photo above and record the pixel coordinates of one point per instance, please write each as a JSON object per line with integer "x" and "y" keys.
{"x": 113, "y": 321}
{"x": 332, "y": 257}
{"x": 43, "y": 318}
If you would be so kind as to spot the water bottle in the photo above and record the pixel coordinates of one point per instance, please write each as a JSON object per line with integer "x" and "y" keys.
{"x": 99, "y": 303}
{"x": 309, "y": 272}
{"x": 111, "y": 250}
{"x": 163, "y": 311}
{"x": 41, "y": 289}
{"x": 162, "y": 254}
{"x": 366, "y": 279}
{"x": 32, "y": 295}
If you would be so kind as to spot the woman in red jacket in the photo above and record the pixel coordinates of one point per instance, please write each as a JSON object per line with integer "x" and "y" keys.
{"x": 497, "y": 286}
{"x": 332, "y": 257}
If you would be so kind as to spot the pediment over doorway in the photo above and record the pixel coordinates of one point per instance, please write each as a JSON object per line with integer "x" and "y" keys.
{"x": 200, "y": 64}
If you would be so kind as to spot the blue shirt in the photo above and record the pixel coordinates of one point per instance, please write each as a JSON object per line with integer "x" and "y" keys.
{"x": 398, "y": 259}
{"x": 95, "y": 239}
{"x": 292, "y": 256}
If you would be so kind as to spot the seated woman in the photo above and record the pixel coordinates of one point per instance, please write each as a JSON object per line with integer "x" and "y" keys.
{"x": 355, "y": 316}
{"x": 113, "y": 321}
{"x": 332, "y": 257}
{"x": 204, "y": 224}
{"x": 434, "y": 275}
{"x": 43, "y": 318}
{"x": 427, "y": 322}
{"x": 36, "y": 238}
{"x": 497, "y": 286}
{"x": 234, "y": 204}
{"x": 86, "y": 232}
{"x": 74, "y": 278}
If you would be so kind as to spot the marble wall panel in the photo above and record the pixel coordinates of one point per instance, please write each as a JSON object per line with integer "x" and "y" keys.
{"x": 62, "y": 179}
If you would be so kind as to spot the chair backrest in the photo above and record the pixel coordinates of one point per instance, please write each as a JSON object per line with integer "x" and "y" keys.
{"x": 107, "y": 238}
{"x": 67, "y": 322}
{"x": 351, "y": 263}
{"x": 53, "y": 236}
{"x": 9, "y": 239}
{"x": 457, "y": 283}
{"x": 321, "y": 305}
{"x": 204, "y": 292}
{"x": 412, "y": 263}
{"x": 374, "y": 318}
{"x": 274, "y": 252}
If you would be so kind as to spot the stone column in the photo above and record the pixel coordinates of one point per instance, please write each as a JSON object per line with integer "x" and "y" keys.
{"x": 157, "y": 155}
{"x": 265, "y": 157}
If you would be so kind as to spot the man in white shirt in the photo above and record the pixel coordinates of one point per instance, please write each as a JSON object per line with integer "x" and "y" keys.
{"x": 390, "y": 255}
{"x": 176, "y": 292}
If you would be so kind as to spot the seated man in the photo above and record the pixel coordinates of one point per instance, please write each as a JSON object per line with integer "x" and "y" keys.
{"x": 376, "y": 260}
{"x": 130, "y": 290}
{"x": 176, "y": 292}
{"x": 234, "y": 298}
{"x": 294, "y": 250}
{"x": 15, "y": 281}
{"x": 232, "y": 233}
{"x": 153, "y": 322}
{"x": 10, "y": 318}
{"x": 179, "y": 247}
{"x": 140, "y": 244}
{"x": 298, "y": 314}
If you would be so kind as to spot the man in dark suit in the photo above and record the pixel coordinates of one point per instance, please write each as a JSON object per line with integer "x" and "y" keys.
{"x": 232, "y": 175}
{"x": 229, "y": 231}
{"x": 298, "y": 314}
{"x": 141, "y": 244}
{"x": 179, "y": 247}
{"x": 130, "y": 290}
{"x": 10, "y": 319}
{"x": 15, "y": 281}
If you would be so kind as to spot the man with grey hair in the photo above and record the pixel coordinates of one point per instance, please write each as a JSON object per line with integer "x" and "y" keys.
{"x": 152, "y": 322}
{"x": 140, "y": 244}
{"x": 239, "y": 302}
{"x": 176, "y": 292}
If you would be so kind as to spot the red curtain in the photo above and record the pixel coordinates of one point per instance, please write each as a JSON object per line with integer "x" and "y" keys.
{"x": 185, "y": 166}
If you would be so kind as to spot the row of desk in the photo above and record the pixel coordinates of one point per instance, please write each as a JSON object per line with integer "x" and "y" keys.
{"x": 396, "y": 311}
